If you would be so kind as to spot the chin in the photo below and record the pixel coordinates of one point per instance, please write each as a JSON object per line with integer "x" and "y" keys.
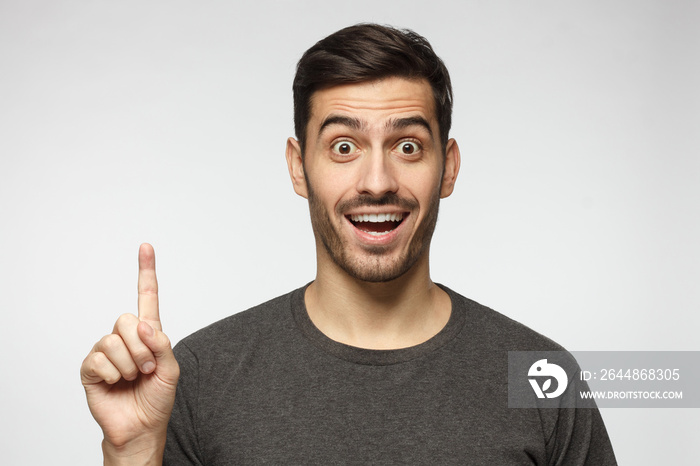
{"x": 376, "y": 269}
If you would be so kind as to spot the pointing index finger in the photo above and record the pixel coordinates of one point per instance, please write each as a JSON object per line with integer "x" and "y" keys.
{"x": 148, "y": 287}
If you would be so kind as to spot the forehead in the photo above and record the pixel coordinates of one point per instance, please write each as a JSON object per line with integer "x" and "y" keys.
{"x": 375, "y": 101}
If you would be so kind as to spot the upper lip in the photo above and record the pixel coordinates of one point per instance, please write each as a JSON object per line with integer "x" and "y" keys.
{"x": 377, "y": 210}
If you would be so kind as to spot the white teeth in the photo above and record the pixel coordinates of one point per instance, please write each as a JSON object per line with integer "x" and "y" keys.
{"x": 378, "y": 233}
{"x": 376, "y": 218}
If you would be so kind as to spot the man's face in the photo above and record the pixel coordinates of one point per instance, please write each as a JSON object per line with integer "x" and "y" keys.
{"x": 374, "y": 173}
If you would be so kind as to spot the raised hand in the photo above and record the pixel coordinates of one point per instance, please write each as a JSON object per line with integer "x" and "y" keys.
{"x": 131, "y": 374}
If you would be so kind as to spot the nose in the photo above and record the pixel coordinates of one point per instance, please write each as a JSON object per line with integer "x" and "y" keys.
{"x": 377, "y": 175}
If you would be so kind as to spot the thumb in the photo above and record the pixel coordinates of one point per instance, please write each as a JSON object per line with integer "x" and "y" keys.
{"x": 158, "y": 342}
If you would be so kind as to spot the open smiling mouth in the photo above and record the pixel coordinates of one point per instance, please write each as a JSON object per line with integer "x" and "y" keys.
{"x": 376, "y": 224}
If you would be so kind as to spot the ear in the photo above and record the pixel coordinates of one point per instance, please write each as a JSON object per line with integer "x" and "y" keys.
{"x": 452, "y": 163}
{"x": 295, "y": 165}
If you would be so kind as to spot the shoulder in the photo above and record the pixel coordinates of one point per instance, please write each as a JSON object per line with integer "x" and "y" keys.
{"x": 489, "y": 329}
{"x": 263, "y": 321}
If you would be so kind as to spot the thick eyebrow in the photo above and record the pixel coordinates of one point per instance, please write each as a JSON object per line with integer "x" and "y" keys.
{"x": 350, "y": 122}
{"x": 401, "y": 123}
{"x": 359, "y": 125}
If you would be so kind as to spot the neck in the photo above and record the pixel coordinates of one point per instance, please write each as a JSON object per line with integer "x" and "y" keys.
{"x": 400, "y": 313}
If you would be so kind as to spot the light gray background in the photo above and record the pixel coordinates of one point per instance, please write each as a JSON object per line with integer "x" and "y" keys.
{"x": 576, "y": 211}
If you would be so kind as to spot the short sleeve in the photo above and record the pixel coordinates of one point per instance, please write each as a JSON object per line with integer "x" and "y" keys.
{"x": 578, "y": 437}
{"x": 182, "y": 444}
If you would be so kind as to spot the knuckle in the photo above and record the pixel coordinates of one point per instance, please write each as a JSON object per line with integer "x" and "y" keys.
{"x": 86, "y": 361}
{"x": 107, "y": 371}
{"x": 126, "y": 320}
{"x": 98, "y": 362}
{"x": 112, "y": 379}
{"x": 100, "y": 366}
{"x": 86, "y": 368}
{"x": 112, "y": 343}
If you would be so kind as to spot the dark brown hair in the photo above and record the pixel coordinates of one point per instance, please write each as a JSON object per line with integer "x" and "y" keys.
{"x": 366, "y": 52}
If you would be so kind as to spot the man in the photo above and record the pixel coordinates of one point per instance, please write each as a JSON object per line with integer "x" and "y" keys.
{"x": 372, "y": 362}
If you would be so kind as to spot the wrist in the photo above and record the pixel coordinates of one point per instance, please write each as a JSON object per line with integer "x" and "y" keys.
{"x": 146, "y": 451}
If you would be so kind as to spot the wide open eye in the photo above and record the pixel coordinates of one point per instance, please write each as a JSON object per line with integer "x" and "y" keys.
{"x": 344, "y": 148}
{"x": 408, "y": 147}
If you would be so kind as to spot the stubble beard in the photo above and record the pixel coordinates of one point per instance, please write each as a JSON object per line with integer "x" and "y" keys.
{"x": 374, "y": 266}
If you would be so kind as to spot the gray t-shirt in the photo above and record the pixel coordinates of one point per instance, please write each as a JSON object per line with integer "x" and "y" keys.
{"x": 265, "y": 386}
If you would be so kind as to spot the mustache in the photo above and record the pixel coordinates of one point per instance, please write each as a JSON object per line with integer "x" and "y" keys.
{"x": 366, "y": 200}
